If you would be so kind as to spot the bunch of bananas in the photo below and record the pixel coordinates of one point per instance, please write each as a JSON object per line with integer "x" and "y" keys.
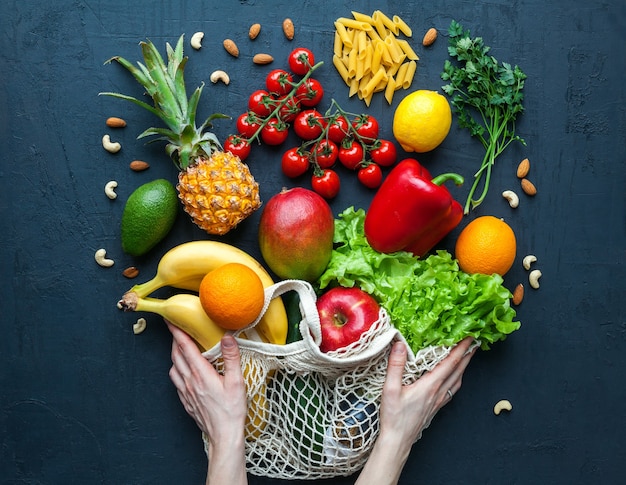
{"x": 183, "y": 267}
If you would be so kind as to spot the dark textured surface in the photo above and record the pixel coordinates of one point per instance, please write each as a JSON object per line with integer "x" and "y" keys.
{"x": 83, "y": 400}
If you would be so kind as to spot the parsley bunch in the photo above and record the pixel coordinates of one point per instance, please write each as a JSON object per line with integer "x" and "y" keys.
{"x": 487, "y": 97}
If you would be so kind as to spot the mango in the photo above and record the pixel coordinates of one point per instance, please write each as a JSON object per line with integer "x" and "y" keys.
{"x": 296, "y": 234}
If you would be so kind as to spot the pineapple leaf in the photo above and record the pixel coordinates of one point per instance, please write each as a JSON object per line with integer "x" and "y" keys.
{"x": 165, "y": 134}
{"x": 138, "y": 102}
{"x": 164, "y": 84}
{"x": 141, "y": 75}
{"x": 208, "y": 122}
{"x": 179, "y": 84}
{"x": 193, "y": 104}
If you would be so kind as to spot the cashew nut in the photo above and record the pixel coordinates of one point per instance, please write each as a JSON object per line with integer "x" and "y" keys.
{"x": 102, "y": 260}
{"x": 109, "y": 189}
{"x": 219, "y": 76}
{"x": 511, "y": 197}
{"x": 528, "y": 260}
{"x": 533, "y": 278}
{"x": 196, "y": 40}
{"x": 109, "y": 146}
{"x": 502, "y": 405}
{"x": 139, "y": 326}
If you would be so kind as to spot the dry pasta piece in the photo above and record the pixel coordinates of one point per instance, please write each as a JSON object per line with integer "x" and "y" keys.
{"x": 370, "y": 57}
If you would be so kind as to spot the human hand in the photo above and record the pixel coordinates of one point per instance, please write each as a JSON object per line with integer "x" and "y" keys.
{"x": 217, "y": 403}
{"x": 406, "y": 410}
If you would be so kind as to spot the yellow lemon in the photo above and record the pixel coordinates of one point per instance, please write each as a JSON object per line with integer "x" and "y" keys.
{"x": 422, "y": 121}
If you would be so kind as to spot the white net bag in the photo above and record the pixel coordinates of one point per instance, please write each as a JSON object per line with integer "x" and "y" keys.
{"x": 314, "y": 415}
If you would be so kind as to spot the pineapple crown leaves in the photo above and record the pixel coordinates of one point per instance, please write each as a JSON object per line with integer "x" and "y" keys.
{"x": 165, "y": 84}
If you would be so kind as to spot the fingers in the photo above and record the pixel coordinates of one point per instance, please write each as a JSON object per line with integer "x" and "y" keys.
{"x": 395, "y": 368}
{"x": 232, "y": 359}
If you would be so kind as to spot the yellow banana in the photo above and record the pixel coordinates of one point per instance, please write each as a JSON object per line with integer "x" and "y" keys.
{"x": 182, "y": 310}
{"x": 185, "y": 265}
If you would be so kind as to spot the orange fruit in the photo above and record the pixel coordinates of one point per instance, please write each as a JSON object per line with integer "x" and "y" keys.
{"x": 232, "y": 295}
{"x": 486, "y": 245}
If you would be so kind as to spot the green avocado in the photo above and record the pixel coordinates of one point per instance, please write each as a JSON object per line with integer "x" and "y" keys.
{"x": 149, "y": 214}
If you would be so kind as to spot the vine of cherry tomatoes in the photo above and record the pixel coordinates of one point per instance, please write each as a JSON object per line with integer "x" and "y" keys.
{"x": 335, "y": 136}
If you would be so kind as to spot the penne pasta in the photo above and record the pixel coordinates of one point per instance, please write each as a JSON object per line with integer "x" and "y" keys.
{"x": 407, "y": 49}
{"x": 341, "y": 69}
{"x": 354, "y": 24}
{"x": 402, "y": 26}
{"x": 370, "y": 57}
{"x": 346, "y": 38}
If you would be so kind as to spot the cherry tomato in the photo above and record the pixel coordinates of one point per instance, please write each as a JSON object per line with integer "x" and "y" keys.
{"x": 237, "y": 145}
{"x": 289, "y": 110}
{"x": 384, "y": 153}
{"x": 309, "y": 124}
{"x": 351, "y": 154}
{"x": 367, "y": 127}
{"x": 301, "y": 60}
{"x": 326, "y": 183}
{"x": 310, "y": 93}
{"x": 279, "y": 82}
{"x": 338, "y": 129}
{"x": 371, "y": 176}
{"x": 325, "y": 152}
{"x": 248, "y": 124}
{"x": 261, "y": 103}
{"x": 294, "y": 163}
{"x": 274, "y": 132}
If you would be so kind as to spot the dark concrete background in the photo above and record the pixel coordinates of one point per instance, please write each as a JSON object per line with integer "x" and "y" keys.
{"x": 83, "y": 400}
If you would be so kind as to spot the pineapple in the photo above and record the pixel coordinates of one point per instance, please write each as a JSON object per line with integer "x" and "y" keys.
{"x": 215, "y": 187}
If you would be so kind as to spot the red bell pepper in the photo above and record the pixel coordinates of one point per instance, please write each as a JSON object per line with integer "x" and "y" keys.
{"x": 412, "y": 211}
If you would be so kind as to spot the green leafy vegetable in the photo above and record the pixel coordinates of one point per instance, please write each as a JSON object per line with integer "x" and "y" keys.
{"x": 487, "y": 96}
{"x": 429, "y": 300}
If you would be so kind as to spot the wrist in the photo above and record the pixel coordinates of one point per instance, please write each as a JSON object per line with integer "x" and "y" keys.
{"x": 386, "y": 461}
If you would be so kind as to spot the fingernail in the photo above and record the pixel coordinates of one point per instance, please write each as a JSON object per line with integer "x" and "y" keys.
{"x": 228, "y": 341}
{"x": 398, "y": 348}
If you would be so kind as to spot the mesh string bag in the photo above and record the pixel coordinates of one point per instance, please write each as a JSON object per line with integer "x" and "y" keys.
{"x": 314, "y": 415}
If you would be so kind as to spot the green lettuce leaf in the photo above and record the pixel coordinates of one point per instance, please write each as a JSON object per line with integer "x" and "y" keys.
{"x": 431, "y": 301}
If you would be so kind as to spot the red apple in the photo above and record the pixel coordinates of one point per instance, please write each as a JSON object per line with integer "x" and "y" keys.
{"x": 345, "y": 314}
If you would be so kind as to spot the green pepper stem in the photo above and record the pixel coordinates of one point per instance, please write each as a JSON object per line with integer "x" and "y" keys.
{"x": 444, "y": 177}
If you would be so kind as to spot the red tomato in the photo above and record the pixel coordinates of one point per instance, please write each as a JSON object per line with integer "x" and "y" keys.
{"x": 248, "y": 124}
{"x": 384, "y": 153}
{"x": 289, "y": 109}
{"x": 367, "y": 127}
{"x": 238, "y": 146}
{"x": 351, "y": 154}
{"x": 310, "y": 93}
{"x": 301, "y": 60}
{"x": 294, "y": 163}
{"x": 274, "y": 132}
{"x": 371, "y": 176}
{"x": 261, "y": 103}
{"x": 326, "y": 183}
{"x": 309, "y": 124}
{"x": 325, "y": 152}
{"x": 279, "y": 82}
{"x": 338, "y": 129}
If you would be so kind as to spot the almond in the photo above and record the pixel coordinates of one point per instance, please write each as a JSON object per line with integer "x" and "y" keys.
{"x": 429, "y": 37}
{"x": 131, "y": 272}
{"x": 262, "y": 59}
{"x": 528, "y": 187}
{"x": 114, "y": 122}
{"x": 523, "y": 168}
{"x": 518, "y": 294}
{"x": 288, "y": 28}
{"x": 231, "y": 47}
{"x": 254, "y": 31}
{"x": 139, "y": 165}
